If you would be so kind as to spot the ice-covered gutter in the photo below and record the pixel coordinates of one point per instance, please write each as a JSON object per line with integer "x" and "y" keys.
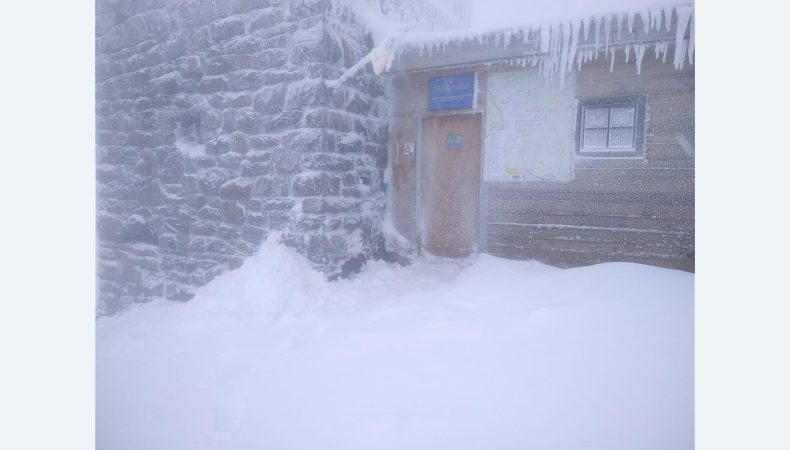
{"x": 554, "y": 46}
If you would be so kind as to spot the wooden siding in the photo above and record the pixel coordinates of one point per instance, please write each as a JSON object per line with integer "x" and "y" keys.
{"x": 636, "y": 210}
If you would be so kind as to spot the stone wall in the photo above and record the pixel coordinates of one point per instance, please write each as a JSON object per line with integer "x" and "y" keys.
{"x": 215, "y": 126}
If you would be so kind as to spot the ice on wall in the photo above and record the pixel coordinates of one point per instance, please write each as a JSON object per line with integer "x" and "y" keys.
{"x": 561, "y": 28}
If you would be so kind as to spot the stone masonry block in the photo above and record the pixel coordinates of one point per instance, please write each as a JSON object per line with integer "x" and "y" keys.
{"x": 330, "y": 119}
{"x": 269, "y": 100}
{"x": 277, "y": 76}
{"x": 270, "y": 186}
{"x": 266, "y": 18}
{"x": 316, "y": 44}
{"x": 236, "y": 189}
{"x": 307, "y": 8}
{"x": 222, "y": 64}
{"x": 245, "y": 80}
{"x": 310, "y": 141}
{"x": 110, "y": 228}
{"x": 326, "y": 161}
{"x": 210, "y": 180}
{"x": 307, "y": 93}
{"x": 273, "y": 58}
{"x": 328, "y": 206}
{"x": 230, "y": 100}
{"x": 285, "y": 161}
{"x": 226, "y": 28}
{"x": 232, "y": 212}
{"x": 316, "y": 184}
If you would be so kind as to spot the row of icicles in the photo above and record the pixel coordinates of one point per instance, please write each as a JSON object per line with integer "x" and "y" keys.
{"x": 559, "y": 43}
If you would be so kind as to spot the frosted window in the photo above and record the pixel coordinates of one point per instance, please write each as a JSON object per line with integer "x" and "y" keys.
{"x": 621, "y": 137}
{"x": 611, "y": 127}
{"x": 596, "y": 118}
{"x": 595, "y": 138}
{"x": 622, "y": 117}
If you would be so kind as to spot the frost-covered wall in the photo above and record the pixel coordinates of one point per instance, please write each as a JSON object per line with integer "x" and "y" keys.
{"x": 215, "y": 126}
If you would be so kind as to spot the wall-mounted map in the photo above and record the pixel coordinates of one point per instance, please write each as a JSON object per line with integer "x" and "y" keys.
{"x": 530, "y": 124}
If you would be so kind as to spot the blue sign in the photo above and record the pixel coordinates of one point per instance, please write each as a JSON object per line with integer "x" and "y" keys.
{"x": 452, "y": 92}
{"x": 453, "y": 141}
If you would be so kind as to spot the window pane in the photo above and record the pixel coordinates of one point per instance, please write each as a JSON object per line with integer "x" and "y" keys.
{"x": 594, "y": 138}
{"x": 596, "y": 118}
{"x": 621, "y": 137}
{"x": 623, "y": 117}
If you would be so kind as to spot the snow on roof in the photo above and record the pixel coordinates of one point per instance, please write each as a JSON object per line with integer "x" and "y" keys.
{"x": 558, "y": 26}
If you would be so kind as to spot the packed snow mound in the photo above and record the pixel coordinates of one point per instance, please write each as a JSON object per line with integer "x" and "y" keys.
{"x": 483, "y": 353}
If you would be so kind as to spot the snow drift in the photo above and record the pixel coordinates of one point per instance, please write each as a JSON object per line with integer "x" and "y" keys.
{"x": 484, "y": 353}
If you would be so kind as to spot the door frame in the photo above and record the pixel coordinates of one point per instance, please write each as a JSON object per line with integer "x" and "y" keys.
{"x": 483, "y": 196}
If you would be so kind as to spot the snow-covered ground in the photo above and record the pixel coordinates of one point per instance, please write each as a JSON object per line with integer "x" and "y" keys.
{"x": 485, "y": 353}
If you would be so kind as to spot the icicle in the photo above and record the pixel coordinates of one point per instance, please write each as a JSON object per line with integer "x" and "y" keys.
{"x": 555, "y": 49}
{"x": 655, "y": 19}
{"x": 627, "y": 53}
{"x": 691, "y": 39}
{"x": 608, "y": 32}
{"x": 579, "y": 59}
{"x": 574, "y": 43}
{"x": 587, "y": 25}
{"x": 598, "y": 28}
{"x": 620, "y": 20}
{"x": 640, "y": 53}
{"x": 611, "y": 65}
{"x": 544, "y": 39}
{"x": 645, "y": 17}
{"x": 630, "y": 18}
{"x": 684, "y": 15}
{"x": 668, "y": 17}
{"x": 558, "y": 48}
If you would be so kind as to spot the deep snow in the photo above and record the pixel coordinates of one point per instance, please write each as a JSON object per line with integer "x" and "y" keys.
{"x": 484, "y": 353}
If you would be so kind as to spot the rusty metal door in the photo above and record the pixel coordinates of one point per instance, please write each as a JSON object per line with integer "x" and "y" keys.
{"x": 451, "y": 184}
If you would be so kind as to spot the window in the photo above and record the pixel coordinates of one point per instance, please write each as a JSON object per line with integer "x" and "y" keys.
{"x": 611, "y": 127}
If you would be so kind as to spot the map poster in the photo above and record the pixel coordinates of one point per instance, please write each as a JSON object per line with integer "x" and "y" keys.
{"x": 530, "y": 125}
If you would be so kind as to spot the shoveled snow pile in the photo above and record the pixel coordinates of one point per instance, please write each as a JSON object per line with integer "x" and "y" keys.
{"x": 484, "y": 353}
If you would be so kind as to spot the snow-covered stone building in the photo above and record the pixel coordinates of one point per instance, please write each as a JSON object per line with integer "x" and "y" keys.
{"x": 220, "y": 122}
{"x": 215, "y": 126}
{"x": 568, "y": 141}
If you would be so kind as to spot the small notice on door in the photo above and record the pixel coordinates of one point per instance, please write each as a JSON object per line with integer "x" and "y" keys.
{"x": 408, "y": 150}
{"x": 453, "y": 141}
